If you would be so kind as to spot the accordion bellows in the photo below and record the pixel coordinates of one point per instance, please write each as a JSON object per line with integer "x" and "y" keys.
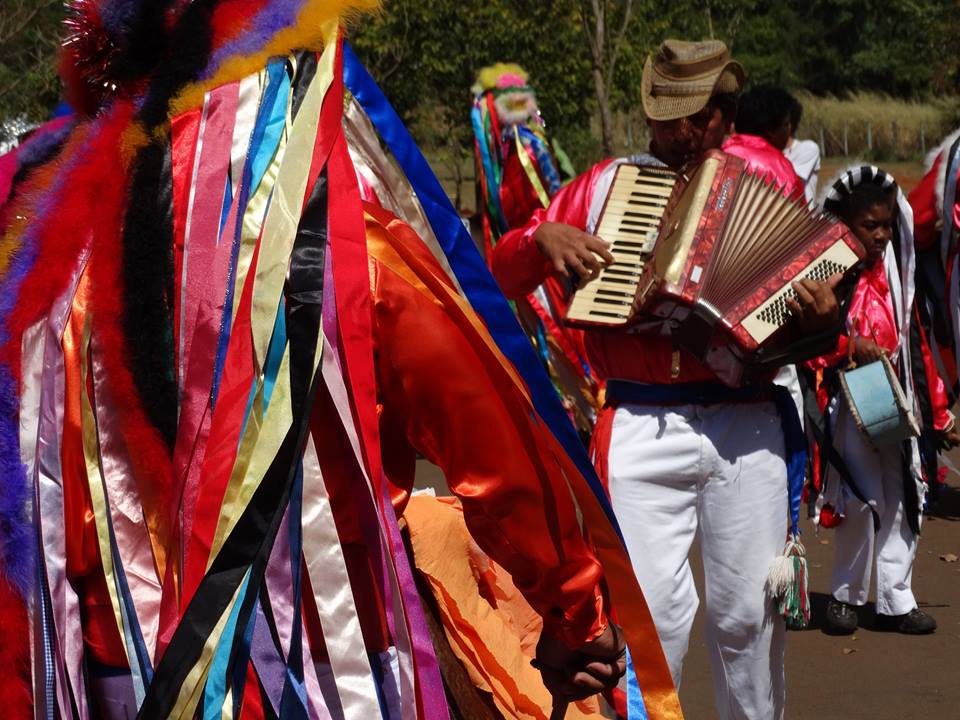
{"x": 720, "y": 271}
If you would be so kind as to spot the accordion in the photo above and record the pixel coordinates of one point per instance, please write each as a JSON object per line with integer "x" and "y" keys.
{"x": 718, "y": 278}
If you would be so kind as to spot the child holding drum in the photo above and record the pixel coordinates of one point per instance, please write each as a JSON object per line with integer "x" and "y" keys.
{"x": 873, "y": 485}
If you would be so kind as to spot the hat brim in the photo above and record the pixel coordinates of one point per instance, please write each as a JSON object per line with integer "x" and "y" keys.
{"x": 677, "y": 99}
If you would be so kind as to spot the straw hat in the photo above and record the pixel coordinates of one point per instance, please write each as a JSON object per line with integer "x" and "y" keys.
{"x": 680, "y": 77}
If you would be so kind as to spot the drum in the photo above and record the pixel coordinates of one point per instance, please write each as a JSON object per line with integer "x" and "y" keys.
{"x": 878, "y": 403}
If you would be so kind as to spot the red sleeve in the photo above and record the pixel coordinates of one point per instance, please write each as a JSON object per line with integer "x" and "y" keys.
{"x": 517, "y": 263}
{"x": 938, "y": 392}
{"x": 831, "y": 359}
{"x": 436, "y": 378}
{"x": 923, "y": 200}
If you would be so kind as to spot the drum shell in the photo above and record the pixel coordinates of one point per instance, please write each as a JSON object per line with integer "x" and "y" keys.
{"x": 875, "y": 400}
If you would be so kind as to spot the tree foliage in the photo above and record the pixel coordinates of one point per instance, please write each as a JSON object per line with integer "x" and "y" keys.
{"x": 29, "y": 40}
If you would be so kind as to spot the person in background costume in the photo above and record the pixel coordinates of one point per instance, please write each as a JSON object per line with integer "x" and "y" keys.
{"x": 681, "y": 458}
{"x": 762, "y": 130}
{"x": 217, "y": 361}
{"x": 506, "y": 120}
{"x": 936, "y": 209}
{"x": 518, "y": 170}
{"x": 885, "y": 483}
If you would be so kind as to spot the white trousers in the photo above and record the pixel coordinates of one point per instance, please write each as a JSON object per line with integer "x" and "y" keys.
{"x": 718, "y": 470}
{"x": 879, "y": 477}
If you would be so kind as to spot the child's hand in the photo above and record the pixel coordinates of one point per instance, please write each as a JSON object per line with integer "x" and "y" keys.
{"x": 866, "y": 351}
{"x": 948, "y": 438}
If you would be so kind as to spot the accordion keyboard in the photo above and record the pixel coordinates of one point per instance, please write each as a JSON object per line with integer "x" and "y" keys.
{"x": 769, "y": 317}
{"x": 630, "y": 222}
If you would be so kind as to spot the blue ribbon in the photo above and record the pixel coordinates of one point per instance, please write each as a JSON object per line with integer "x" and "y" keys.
{"x": 710, "y": 393}
{"x": 493, "y": 184}
{"x": 544, "y": 160}
{"x": 215, "y": 692}
{"x": 635, "y": 707}
{"x": 264, "y": 143}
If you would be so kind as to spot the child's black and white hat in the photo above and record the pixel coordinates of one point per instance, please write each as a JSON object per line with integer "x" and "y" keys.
{"x": 845, "y": 183}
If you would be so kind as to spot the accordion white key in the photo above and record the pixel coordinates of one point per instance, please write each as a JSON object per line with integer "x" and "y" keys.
{"x": 630, "y": 222}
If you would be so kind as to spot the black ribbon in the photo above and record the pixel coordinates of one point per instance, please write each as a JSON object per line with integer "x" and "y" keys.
{"x": 249, "y": 544}
{"x": 819, "y": 428}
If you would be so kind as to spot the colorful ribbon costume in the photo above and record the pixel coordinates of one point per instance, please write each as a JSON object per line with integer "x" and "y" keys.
{"x": 519, "y": 169}
{"x": 936, "y": 210}
{"x": 215, "y": 361}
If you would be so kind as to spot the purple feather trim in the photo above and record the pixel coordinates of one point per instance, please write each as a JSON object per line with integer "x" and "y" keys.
{"x": 276, "y": 16}
{"x": 18, "y": 556}
{"x": 41, "y": 143}
{"x": 17, "y": 543}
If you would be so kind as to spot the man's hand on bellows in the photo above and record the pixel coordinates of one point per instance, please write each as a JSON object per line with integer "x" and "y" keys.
{"x": 577, "y": 674}
{"x": 572, "y": 252}
{"x": 815, "y": 307}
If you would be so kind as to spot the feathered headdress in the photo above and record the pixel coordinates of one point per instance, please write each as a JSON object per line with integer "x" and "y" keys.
{"x": 514, "y": 99}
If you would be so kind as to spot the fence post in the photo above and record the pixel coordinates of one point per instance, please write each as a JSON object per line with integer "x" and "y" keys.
{"x": 893, "y": 138}
{"x": 846, "y": 147}
{"x": 823, "y": 144}
{"x": 869, "y": 136}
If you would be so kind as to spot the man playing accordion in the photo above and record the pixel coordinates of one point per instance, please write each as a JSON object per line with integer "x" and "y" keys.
{"x": 682, "y": 454}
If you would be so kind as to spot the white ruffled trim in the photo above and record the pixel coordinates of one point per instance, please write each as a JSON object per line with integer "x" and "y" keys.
{"x": 941, "y": 151}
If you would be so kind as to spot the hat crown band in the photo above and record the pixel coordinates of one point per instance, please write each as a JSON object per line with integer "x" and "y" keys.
{"x": 688, "y": 90}
{"x": 680, "y": 70}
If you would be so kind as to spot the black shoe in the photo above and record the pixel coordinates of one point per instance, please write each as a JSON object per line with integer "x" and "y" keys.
{"x": 915, "y": 622}
{"x": 841, "y": 618}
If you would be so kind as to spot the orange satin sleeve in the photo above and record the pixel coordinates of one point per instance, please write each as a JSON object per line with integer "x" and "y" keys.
{"x": 83, "y": 566}
{"x": 435, "y": 380}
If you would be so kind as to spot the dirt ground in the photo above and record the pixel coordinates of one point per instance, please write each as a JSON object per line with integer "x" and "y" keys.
{"x": 870, "y": 675}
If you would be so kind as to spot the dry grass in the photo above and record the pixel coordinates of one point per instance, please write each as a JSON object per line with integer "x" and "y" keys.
{"x": 877, "y": 127}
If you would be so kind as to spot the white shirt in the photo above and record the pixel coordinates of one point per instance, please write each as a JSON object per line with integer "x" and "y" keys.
{"x": 804, "y": 155}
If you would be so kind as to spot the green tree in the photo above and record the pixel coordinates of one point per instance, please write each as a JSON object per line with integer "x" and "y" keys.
{"x": 426, "y": 54}
{"x": 29, "y": 40}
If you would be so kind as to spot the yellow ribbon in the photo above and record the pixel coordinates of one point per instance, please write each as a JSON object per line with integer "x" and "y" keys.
{"x": 255, "y": 212}
{"x": 531, "y": 171}
{"x": 280, "y": 227}
{"x": 91, "y": 456}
